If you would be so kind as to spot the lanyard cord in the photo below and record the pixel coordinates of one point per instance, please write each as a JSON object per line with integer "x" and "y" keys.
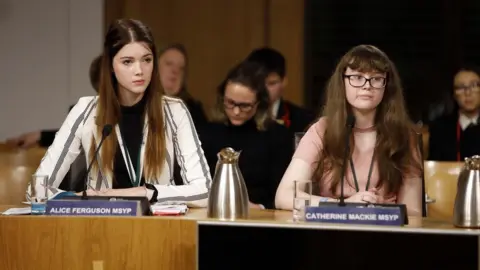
{"x": 355, "y": 174}
{"x": 136, "y": 180}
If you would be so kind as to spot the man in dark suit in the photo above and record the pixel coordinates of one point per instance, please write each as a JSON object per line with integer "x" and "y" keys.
{"x": 44, "y": 138}
{"x": 294, "y": 117}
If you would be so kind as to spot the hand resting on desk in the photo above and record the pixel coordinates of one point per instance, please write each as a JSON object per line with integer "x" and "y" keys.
{"x": 255, "y": 206}
{"x": 370, "y": 196}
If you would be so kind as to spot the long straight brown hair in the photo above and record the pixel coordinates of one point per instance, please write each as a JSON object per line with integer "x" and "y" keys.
{"x": 121, "y": 33}
{"x": 396, "y": 151}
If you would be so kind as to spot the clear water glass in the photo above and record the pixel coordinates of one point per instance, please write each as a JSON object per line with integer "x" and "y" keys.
{"x": 38, "y": 193}
{"x": 302, "y": 197}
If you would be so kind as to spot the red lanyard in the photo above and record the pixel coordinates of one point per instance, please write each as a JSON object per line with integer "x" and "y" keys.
{"x": 458, "y": 140}
{"x": 286, "y": 116}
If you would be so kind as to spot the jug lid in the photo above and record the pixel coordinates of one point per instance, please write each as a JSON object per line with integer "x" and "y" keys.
{"x": 228, "y": 155}
{"x": 472, "y": 163}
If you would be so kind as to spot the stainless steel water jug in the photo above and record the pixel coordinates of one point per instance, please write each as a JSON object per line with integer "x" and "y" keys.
{"x": 228, "y": 198}
{"x": 466, "y": 211}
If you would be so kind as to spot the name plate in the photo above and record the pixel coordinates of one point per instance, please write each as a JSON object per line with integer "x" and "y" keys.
{"x": 91, "y": 208}
{"x": 356, "y": 214}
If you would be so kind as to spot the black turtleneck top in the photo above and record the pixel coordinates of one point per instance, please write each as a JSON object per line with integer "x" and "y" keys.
{"x": 131, "y": 129}
{"x": 264, "y": 158}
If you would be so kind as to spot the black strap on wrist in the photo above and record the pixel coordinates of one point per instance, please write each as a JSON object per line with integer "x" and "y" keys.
{"x": 155, "y": 192}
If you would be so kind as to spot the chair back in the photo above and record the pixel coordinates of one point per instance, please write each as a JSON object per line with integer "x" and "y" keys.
{"x": 16, "y": 169}
{"x": 441, "y": 187}
{"x": 6, "y": 147}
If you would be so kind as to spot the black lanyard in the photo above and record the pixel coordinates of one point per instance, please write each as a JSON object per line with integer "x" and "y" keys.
{"x": 355, "y": 175}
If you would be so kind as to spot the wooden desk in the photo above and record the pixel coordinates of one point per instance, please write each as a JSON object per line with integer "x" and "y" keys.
{"x": 46, "y": 242}
{"x": 43, "y": 242}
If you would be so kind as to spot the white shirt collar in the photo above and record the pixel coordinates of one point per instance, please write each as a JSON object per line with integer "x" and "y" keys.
{"x": 465, "y": 121}
{"x": 275, "y": 107}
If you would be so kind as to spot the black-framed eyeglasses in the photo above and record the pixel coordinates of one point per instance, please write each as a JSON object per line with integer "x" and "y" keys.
{"x": 243, "y": 106}
{"x": 474, "y": 87}
{"x": 378, "y": 82}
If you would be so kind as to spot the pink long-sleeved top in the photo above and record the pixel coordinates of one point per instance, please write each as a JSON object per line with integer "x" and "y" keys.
{"x": 312, "y": 144}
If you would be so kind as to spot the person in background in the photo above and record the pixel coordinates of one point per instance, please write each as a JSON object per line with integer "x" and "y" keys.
{"x": 445, "y": 105}
{"x": 135, "y": 159}
{"x": 173, "y": 66}
{"x": 44, "y": 138}
{"x": 295, "y": 118}
{"x": 385, "y": 165}
{"x": 242, "y": 121}
{"x": 456, "y": 135}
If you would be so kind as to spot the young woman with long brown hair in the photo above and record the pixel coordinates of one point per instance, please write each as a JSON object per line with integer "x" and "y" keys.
{"x": 136, "y": 159}
{"x": 385, "y": 162}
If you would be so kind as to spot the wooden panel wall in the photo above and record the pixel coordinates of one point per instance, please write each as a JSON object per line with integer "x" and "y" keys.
{"x": 219, "y": 33}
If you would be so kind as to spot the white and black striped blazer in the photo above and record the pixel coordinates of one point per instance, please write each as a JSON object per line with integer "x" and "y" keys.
{"x": 181, "y": 136}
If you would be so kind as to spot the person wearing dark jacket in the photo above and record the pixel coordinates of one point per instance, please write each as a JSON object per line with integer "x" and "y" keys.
{"x": 173, "y": 66}
{"x": 294, "y": 117}
{"x": 242, "y": 121}
{"x": 455, "y": 136}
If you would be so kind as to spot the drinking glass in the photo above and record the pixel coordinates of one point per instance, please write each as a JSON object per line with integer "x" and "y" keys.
{"x": 38, "y": 193}
{"x": 301, "y": 198}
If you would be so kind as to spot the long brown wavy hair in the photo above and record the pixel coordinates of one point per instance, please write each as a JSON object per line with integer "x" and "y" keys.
{"x": 396, "y": 151}
{"x": 121, "y": 33}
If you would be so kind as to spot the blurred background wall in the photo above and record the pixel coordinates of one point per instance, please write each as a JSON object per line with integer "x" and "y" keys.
{"x": 45, "y": 51}
{"x": 47, "y": 46}
{"x": 219, "y": 33}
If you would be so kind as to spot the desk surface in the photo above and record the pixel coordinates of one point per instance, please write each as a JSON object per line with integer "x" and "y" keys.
{"x": 106, "y": 243}
{"x": 283, "y": 219}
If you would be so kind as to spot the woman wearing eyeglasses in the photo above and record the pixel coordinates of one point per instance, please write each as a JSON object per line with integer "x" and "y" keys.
{"x": 242, "y": 120}
{"x": 384, "y": 163}
{"x": 456, "y": 136}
